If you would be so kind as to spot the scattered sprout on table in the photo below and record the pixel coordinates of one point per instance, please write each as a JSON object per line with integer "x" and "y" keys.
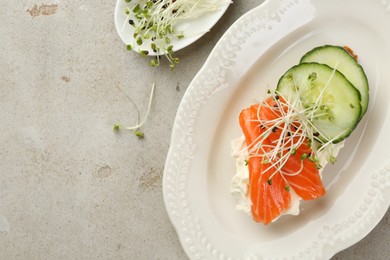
{"x": 136, "y": 128}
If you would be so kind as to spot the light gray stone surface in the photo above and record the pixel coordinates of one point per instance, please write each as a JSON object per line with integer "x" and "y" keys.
{"x": 69, "y": 187}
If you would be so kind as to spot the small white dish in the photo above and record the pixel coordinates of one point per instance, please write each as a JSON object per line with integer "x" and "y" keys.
{"x": 193, "y": 29}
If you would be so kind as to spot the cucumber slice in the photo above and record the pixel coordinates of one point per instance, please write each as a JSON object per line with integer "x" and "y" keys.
{"x": 336, "y": 56}
{"x": 325, "y": 93}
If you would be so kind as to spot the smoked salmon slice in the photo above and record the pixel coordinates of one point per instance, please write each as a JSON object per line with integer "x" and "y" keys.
{"x": 307, "y": 184}
{"x": 269, "y": 186}
{"x": 268, "y": 201}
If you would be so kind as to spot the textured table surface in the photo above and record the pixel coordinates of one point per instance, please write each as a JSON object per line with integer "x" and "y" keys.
{"x": 70, "y": 188}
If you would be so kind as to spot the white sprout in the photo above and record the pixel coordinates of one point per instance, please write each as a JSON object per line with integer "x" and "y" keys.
{"x": 294, "y": 121}
{"x": 139, "y": 125}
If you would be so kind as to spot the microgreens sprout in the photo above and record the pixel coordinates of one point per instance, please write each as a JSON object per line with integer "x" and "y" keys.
{"x": 294, "y": 121}
{"x": 154, "y": 24}
{"x": 116, "y": 127}
{"x": 138, "y": 125}
{"x": 332, "y": 159}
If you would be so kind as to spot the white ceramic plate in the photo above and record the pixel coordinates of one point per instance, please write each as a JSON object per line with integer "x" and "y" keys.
{"x": 248, "y": 59}
{"x": 193, "y": 29}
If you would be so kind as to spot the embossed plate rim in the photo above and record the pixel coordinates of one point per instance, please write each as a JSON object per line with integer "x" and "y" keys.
{"x": 192, "y": 235}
